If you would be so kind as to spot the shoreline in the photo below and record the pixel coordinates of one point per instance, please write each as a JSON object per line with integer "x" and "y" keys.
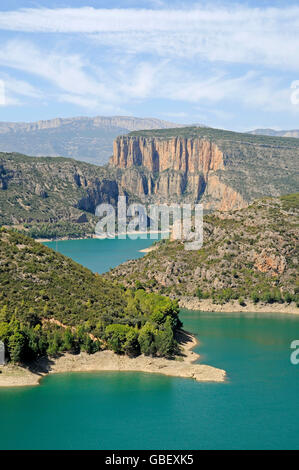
{"x": 181, "y": 366}
{"x": 207, "y": 305}
{"x": 62, "y": 239}
{"x": 149, "y": 249}
{"x": 94, "y": 236}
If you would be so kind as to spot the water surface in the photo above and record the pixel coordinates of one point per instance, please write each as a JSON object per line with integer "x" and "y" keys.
{"x": 101, "y": 255}
{"x": 256, "y": 409}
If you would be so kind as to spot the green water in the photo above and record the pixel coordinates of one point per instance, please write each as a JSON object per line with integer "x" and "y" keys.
{"x": 256, "y": 409}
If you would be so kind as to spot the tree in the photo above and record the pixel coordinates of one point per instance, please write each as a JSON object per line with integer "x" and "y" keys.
{"x": 255, "y": 297}
{"x": 31, "y": 318}
{"x": 164, "y": 340}
{"x": 131, "y": 345}
{"x": 146, "y": 339}
{"x": 4, "y": 315}
{"x": 115, "y": 335}
{"x": 4, "y": 333}
{"x": 199, "y": 293}
{"x": 53, "y": 347}
{"x": 68, "y": 340}
{"x": 87, "y": 344}
{"x": 16, "y": 345}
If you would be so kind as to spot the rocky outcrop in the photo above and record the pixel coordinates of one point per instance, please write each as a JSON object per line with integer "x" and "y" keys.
{"x": 157, "y": 155}
{"x": 173, "y": 170}
{"x": 38, "y": 191}
{"x": 248, "y": 254}
{"x": 220, "y": 196}
{"x": 269, "y": 263}
{"x": 224, "y": 170}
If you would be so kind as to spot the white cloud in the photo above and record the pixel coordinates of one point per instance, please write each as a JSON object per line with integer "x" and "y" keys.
{"x": 64, "y": 71}
{"x": 20, "y": 87}
{"x": 13, "y": 91}
{"x": 75, "y": 80}
{"x": 268, "y": 36}
{"x": 178, "y": 55}
{"x": 67, "y": 72}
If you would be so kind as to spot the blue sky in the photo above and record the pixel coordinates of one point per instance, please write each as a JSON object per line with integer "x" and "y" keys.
{"x": 222, "y": 63}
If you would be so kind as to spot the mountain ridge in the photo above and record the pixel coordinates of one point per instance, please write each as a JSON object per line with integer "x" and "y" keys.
{"x": 88, "y": 139}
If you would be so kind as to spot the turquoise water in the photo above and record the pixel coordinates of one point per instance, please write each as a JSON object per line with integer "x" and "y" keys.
{"x": 256, "y": 409}
{"x": 101, "y": 255}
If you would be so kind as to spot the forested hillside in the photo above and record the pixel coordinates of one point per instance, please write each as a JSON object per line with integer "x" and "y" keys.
{"x": 50, "y": 304}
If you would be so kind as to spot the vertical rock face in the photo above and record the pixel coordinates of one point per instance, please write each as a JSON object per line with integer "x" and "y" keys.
{"x": 157, "y": 155}
{"x": 173, "y": 170}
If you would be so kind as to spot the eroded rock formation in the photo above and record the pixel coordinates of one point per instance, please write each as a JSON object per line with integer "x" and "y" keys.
{"x": 174, "y": 170}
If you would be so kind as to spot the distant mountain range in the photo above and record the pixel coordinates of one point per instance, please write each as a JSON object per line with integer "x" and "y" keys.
{"x": 272, "y": 132}
{"x": 83, "y": 138}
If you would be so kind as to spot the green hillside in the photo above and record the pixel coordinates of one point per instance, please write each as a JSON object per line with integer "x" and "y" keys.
{"x": 50, "y": 304}
{"x": 52, "y": 197}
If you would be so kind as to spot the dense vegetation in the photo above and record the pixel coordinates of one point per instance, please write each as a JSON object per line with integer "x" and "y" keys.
{"x": 250, "y": 254}
{"x": 50, "y": 304}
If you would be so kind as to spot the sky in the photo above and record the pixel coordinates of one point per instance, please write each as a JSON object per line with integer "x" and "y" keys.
{"x": 226, "y": 64}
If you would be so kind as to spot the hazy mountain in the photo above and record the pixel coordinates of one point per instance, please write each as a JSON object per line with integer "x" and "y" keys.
{"x": 83, "y": 138}
{"x": 272, "y": 132}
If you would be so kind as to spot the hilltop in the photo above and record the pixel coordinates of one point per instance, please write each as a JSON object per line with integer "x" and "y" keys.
{"x": 248, "y": 255}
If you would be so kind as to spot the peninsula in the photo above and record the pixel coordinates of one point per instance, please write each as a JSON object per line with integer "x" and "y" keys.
{"x": 57, "y": 316}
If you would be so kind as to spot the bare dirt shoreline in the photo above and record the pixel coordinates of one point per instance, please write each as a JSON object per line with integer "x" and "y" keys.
{"x": 182, "y": 366}
{"x": 206, "y": 305}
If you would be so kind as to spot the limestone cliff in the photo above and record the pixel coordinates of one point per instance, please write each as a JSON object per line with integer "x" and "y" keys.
{"x": 173, "y": 170}
{"x": 224, "y": 170}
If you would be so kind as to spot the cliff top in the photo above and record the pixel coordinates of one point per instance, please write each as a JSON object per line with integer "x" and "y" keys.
{"x": 210, "y": 133}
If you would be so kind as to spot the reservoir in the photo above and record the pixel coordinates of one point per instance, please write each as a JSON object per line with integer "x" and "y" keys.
{"x": 256, "y": 408}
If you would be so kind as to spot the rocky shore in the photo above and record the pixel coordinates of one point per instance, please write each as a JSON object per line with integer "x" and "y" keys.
{"x": 207, "y": 305}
